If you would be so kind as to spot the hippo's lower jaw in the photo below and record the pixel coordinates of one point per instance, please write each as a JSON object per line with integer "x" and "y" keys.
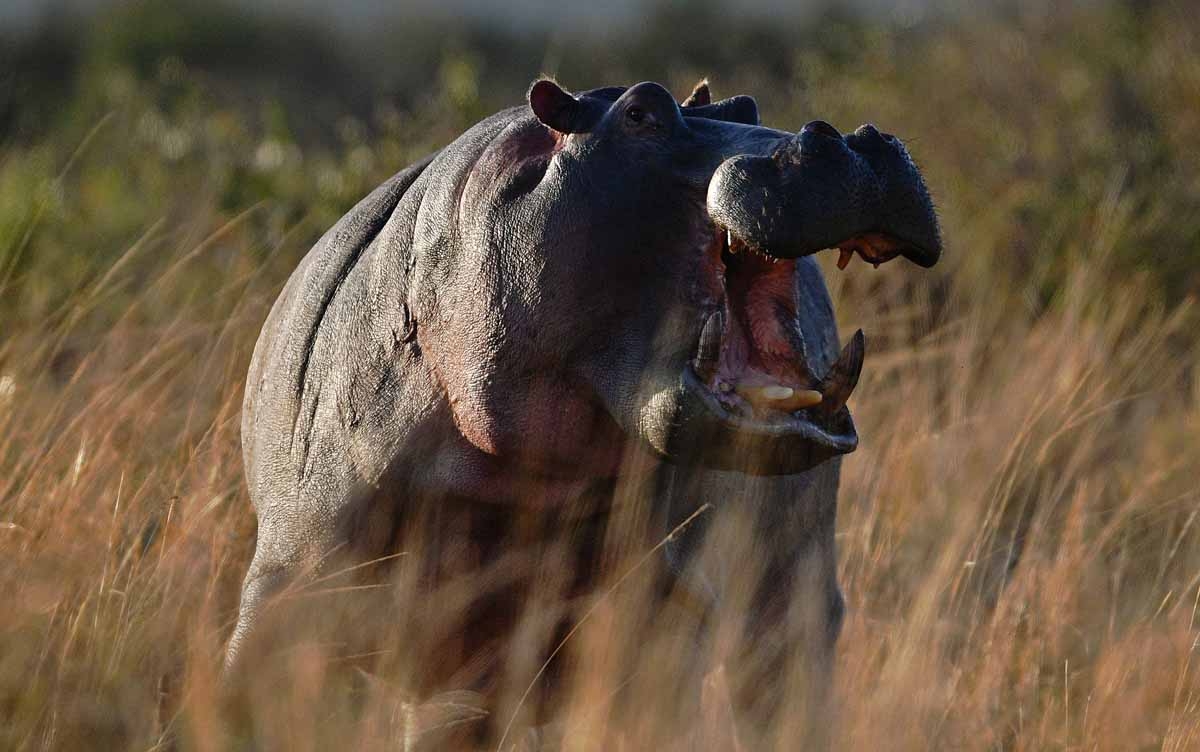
{"x": 707, "y": 432}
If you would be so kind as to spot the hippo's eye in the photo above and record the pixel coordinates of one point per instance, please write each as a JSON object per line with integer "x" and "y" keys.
{"x": 635, "y": 115}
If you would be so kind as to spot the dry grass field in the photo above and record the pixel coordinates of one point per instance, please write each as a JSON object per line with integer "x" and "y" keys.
{"x": 1019, "y": 542}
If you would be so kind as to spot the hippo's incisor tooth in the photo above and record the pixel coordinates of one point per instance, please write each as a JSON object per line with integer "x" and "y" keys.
{"x": 776, "y": 392}
{"x": 735, "y": 244}
{"x": 779, "y": 397}
{"x": 752, "y": 394}
{"x": 802, "y": 398}
{"x": 844, "y": 258}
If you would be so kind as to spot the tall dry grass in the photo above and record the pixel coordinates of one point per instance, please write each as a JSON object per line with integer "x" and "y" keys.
{"x": 1018, "y": 531}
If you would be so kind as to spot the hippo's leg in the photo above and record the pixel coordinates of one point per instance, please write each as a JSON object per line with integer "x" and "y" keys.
{"x": 264, "y": 579}
{"x": 280, "y": 561}
{"x": 781, "y": 669}
{"x": 309, "y": 540}
{"x": 766, "y": 553}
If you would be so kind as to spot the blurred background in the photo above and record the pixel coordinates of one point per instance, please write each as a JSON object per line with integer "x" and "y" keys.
{"x": 1018, "y": 540}
{"x": 1025, "y": 114}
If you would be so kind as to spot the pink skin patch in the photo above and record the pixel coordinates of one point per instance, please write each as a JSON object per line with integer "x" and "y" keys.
{"x": 761, "y": 299}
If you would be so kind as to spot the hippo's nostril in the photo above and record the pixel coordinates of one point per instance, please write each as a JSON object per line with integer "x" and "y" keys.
{"x": 870, "y": 132}
{"x": 821, "y": 127}
{"x": 868, "y": 138}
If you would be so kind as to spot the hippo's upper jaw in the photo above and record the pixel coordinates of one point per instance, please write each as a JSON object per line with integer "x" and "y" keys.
{"x": 755, "y": 382}
{"x": 818, "y": 189}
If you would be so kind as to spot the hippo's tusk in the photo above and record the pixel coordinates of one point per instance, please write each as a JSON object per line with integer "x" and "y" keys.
{"x": 708, "y": 354}
{"x": 843, "y": 375}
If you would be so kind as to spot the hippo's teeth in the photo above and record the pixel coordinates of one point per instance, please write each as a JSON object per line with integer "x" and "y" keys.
{"x": 875, "y": 248}
{"x": 779, "y": 397}
{"x": 754, "y": 394}
{"x": 800, "y": 399}
{"x": 776, "y": 392}
{"x": 843, "y": 375}
{"x": 708, "y": 354}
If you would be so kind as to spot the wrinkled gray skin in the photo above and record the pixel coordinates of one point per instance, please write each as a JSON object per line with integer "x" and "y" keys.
{"x": 510, "y": 318}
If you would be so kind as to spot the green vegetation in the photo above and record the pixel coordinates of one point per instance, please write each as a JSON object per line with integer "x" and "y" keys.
{"x": 163, "y": 167}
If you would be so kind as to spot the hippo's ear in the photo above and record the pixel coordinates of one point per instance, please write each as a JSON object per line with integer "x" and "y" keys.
{"x": 739, "y": 109}
{"x": 553, "y": 106}
{"x": 700, "y": 95}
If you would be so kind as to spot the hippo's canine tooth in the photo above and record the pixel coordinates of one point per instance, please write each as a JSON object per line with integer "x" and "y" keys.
{"x": 843, "y": 374}
{"x": 708, "y": 353}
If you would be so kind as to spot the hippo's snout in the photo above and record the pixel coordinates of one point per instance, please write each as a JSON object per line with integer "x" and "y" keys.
{"x": 759, "y": 377}
{"x": 861, "y": 193}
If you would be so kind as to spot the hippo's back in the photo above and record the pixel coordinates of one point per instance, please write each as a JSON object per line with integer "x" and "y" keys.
{"x": 321, "y": 336}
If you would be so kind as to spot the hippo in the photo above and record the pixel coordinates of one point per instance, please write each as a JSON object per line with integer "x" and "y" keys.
{"x": 585, "y": 288}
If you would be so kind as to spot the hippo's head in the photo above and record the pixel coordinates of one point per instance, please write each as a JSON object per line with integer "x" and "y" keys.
{"x": 623, "y": 267}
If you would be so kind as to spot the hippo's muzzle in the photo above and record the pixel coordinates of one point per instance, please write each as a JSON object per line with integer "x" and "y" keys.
{"x": 755, "y": 397}
{"x": 818, "y": 190}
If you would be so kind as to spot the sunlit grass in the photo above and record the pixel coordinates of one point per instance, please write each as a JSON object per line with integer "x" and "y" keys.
{"x": 1018, "y": 534}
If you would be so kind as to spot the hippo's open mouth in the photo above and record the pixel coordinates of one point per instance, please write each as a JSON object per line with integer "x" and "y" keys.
{"x": 757, "y": 396}
{"x": 751, "y": 369}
